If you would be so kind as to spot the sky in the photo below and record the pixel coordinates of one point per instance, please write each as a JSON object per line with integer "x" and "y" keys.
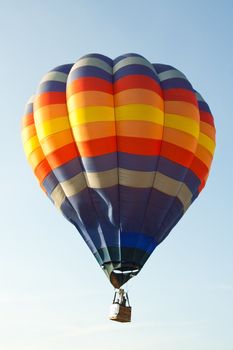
{"x": 53, "y": 295}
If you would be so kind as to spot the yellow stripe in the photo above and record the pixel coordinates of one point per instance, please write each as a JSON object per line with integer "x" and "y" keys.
{"x": 52, "y": 126}
{"x": 207, "y": 142}
{"x": 139, "y": 112}
{"x": 36, "y": 157}
{"x": 31, "y": 145}
{"x": 91, "y": 114}
{"x": 182, "y": 123}
{"x": 28, "y": 132}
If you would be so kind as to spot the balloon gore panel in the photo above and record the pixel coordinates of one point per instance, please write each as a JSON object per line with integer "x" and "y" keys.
{"x": 122, "y": 148}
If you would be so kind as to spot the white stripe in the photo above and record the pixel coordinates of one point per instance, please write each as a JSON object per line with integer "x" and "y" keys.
{"x": 199, "y": 97}
{"x": 90, "y": 61}
{"x": 55, "y": 76}
{"x": 133, "y": 60}
{"x": 170, "y": 74}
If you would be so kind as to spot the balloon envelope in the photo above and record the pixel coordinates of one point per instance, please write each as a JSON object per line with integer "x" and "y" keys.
{"x": 122, "y": 148}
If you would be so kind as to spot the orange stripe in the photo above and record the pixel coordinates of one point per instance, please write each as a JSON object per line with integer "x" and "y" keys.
{"x": 140, "y": 129}
{"x": 182, "y": 108}
{"x": 139, "y": 96}
{"x": 95, "y": 130}
{"x": 90, "y": 98}
{"x": 55, "y": 141}
{"x": 140, "y": 146}
{"x": 137, "y": 82}
{"x": 205, "y": 156}
{"x": 27, "y": 119}
{"x": 62, "y": 155}
{"x": 180, "y": 138}
{"x": 207, "y": 129}
{"x": 51, "y": 112}
{"x": 97, "y": 147}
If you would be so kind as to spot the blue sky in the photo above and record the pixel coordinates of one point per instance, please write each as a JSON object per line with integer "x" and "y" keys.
{"x": 52, "y": 293}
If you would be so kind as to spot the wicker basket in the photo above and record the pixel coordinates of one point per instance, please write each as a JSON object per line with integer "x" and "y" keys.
{"x": 120, "y": 313}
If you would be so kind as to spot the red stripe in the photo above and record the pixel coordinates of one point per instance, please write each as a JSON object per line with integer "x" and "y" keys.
{"x": 187, "y": 159}
{"x": 201, "y": 186}
{"x": 62, "y": 155}
{"x": 137, "y": 82}
{"x": 176, "y": 154}
{"x": 180, "y": 95}
{"x": 50, "y": 98}
{"x": 97, "y": 147}
{"x": 199, "y": 168}
{"x": 42, "y": 170}
{"x": 136, "y": 145}
{"x": 27, "y": 120}
{"x": 89, "y": 84}
{"x": 207, "y": 118}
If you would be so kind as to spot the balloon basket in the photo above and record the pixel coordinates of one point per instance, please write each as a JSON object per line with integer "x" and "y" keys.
{"x": 120, "y": 310}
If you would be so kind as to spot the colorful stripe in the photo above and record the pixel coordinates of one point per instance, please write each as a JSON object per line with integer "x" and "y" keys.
{"x": 122, "y": 147}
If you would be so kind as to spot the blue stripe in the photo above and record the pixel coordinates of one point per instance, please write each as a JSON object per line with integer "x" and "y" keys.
{"x": 179, "y": 173}
{"x": 65, "y": 68}
{"x": 52, "y": 86}
{"x": 89, "y": 71}
{"x": 68, "y": 170}
{"x": 135, "y": 69}
{"x": 203, "y": 106}
{"x": 137, "y": 162}
{"x": 176, "y": 83}
{"x": 50, "y": 182}
{"x": 100, "y": 163}
{"x": 137, "y": 240}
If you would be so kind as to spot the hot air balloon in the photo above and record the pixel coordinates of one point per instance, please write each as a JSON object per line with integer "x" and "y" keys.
{"x": 122, "y": 148}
